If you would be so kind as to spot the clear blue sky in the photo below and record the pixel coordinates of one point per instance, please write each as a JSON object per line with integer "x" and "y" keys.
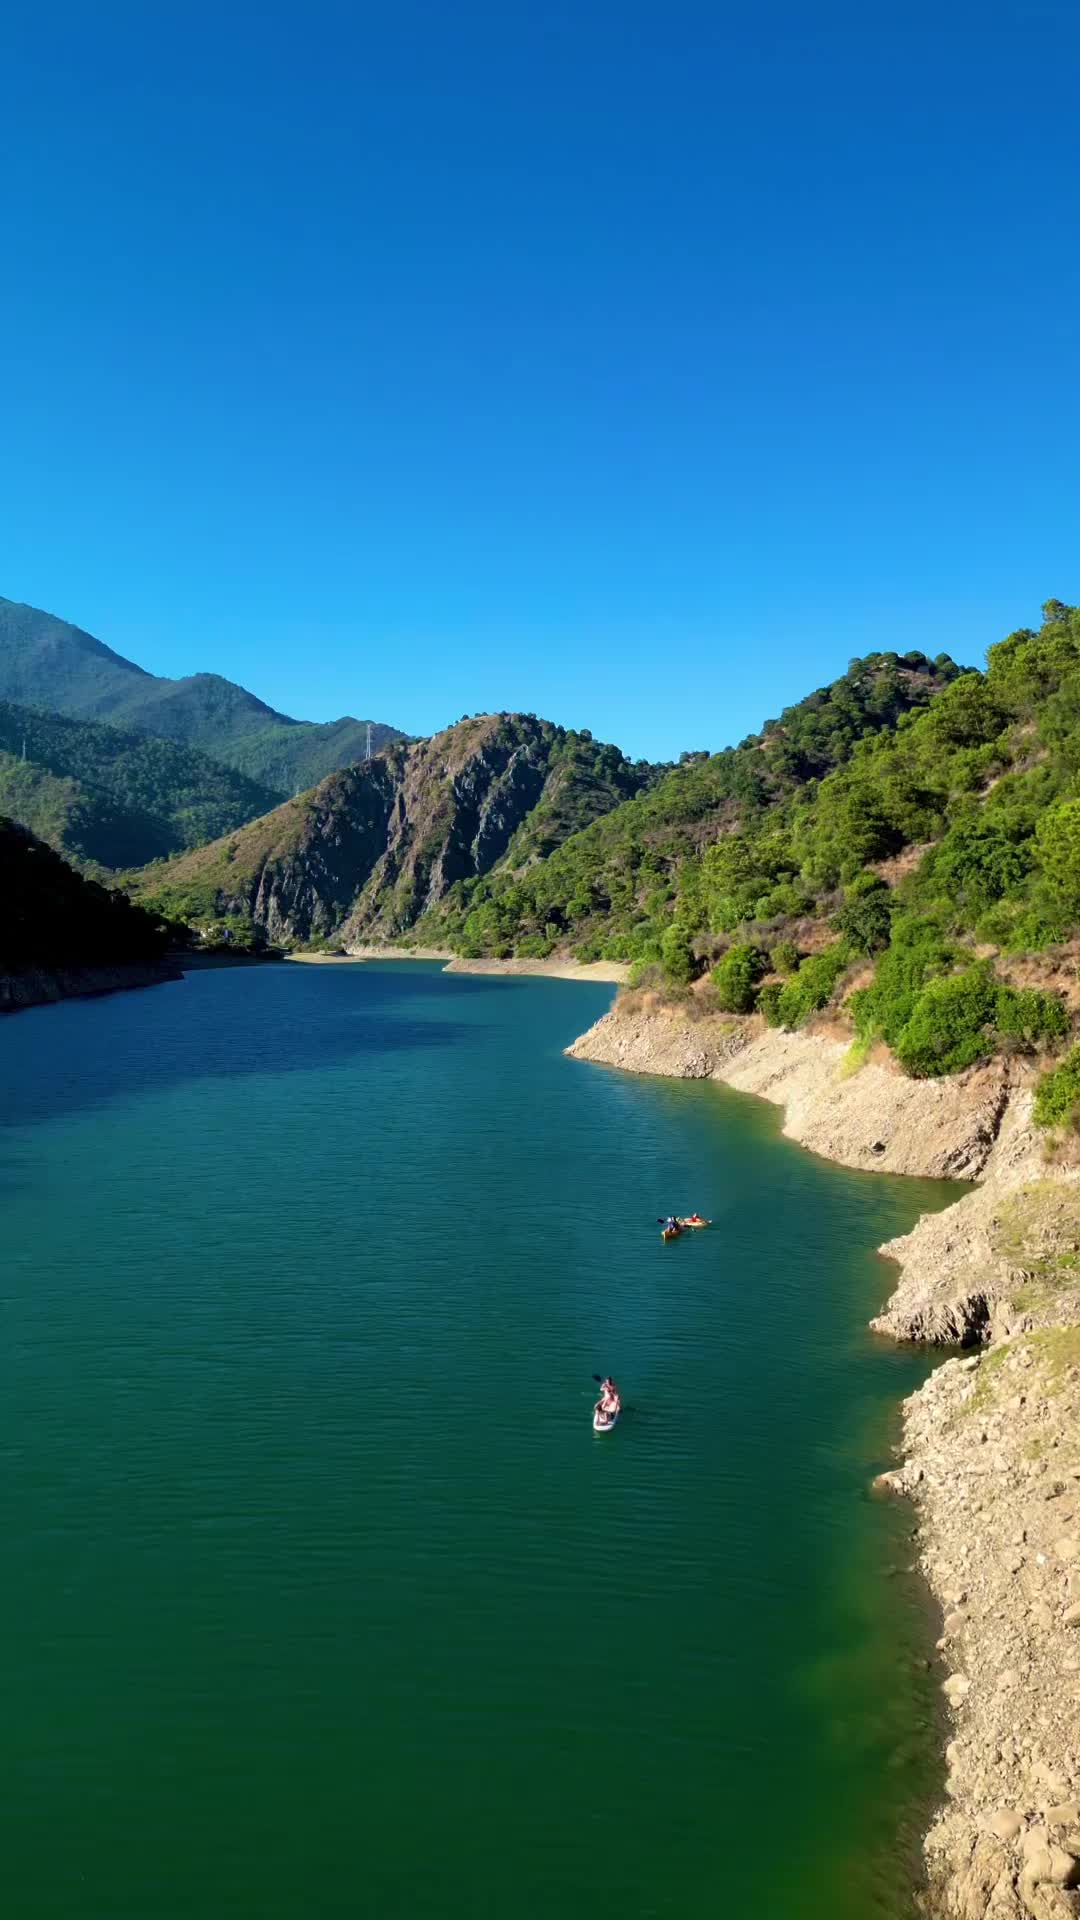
{"x": 631, "y": 363}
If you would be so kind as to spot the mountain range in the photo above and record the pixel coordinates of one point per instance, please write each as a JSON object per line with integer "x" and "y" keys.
{"x": 902, "y": 846}
{"x": 47, "y": 663}
{"x": 106, "y": 797}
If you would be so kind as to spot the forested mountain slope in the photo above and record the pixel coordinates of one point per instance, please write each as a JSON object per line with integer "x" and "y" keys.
{"x": 374, "y": 846}
{"x": 48, "y": 663}
{"x": 928, "y": 886}
{"x": 105, "y": 796}
{"x": 53, "y": 918}
{"x": 611, "y": 889}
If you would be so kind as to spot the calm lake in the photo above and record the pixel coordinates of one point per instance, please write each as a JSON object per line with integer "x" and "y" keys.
{"x": 320, "y": 1595}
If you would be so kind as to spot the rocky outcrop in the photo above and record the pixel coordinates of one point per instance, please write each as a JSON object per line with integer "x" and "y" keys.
{"x": 365, "y": 854}
{"x": 870, "y": 1116}
{"x": 38, "y": 988}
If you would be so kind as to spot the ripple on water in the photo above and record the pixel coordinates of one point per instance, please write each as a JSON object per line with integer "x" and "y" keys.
{"x": 316, "y": 1570}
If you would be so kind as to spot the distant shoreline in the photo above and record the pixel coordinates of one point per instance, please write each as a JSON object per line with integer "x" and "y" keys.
{"x": 602, "y": 972}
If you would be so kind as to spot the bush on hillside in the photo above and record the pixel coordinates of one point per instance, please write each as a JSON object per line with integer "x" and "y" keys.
{"x": 966, "y": 714}
{"x": 784, "y": 957}
{"x": 768, "y": 1002}
{"x": 866, "y": 915}
{"x": 964, "y": 1016}
{"x": 736, "y": 976}
{"x": 677, "y": 956}
{"x": 916, "y": 953}
{"x": 979, "y": 861}
{"x": 1023, "y": 926}
{"x": 811, "y": 989}
{"x": 1058, "y": 839}
{"x": 1057, "y": 1096}
{"x": 951, "y": 1024}
{"x": 1030, "y": 1016}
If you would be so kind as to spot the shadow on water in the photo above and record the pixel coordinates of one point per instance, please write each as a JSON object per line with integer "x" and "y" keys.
{"x": 81, "y": 1054}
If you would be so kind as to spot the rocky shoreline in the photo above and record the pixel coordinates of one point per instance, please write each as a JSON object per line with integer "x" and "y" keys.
{"x": 991, "y": 1442}
{"x": 39, "y": 988}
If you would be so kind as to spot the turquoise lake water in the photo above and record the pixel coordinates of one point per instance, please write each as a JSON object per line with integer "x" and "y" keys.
{"x": 320, "y": 1596}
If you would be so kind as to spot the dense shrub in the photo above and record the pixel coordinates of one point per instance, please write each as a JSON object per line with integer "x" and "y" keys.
{"x": 865, "y": 918}
{"x": 967, "y": 714}
{"x": 1028, "y": 1015}
{"x": 1019, "y": 926}
{"x": 980, "y": 860}
{"x": 917, "y": 951}
{"x": 951, "y": 1024}
{"x": 736, "y": 976}
{"x": 645, "y": 973}
{"x": 1057, "y": 1096}
{"x": 962, "y": 1017}
{"x": 768, "y": 1002}
{"x": 784, "y": 957}
{"x": 814, "y": 985}
{"x": 1058, "y": 837}
{"x": 677, "y": 956}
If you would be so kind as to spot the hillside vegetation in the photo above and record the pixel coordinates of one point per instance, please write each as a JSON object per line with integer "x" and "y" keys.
{"x": 375, "y": 846}
{"x": 610, "y": 891}
{"x": 46, "y": 662}
{"x": 927, "y": 882}
{"x": 54, "y": 918}
{"x": 104, "y": 796}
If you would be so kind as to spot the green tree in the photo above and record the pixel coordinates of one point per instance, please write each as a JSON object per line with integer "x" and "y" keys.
{"x": 980, "y": 860}
{"x": 784, "y": 957}
{"x": 967, "y": 714}
{"x": 866, "y": 915}
{"x": 768, "y": 1002}
{"x": 736, "y": 976}
{"x": 917, "y": 951}
{"x": 1058, "y": 839}
{"x": 811, "y": 989}
{"x": 677, "y": 956}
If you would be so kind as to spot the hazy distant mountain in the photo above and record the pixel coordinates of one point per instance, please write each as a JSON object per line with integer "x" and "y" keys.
{"x": 47, "y": 662}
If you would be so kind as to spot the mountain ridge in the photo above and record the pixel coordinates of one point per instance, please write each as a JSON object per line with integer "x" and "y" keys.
{"x": 50, "y": 663}
{"x": 106, "y": 796}
{"x": 368, "y": 850}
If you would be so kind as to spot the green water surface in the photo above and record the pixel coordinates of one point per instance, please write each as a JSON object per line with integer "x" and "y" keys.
{"x": 320, "y": 1597}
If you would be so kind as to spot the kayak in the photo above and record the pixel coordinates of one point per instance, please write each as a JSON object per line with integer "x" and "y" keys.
{"x": 695, "y": 1220}
{"x": 603, "y": 1422}
{"x": 670, "y": 1233}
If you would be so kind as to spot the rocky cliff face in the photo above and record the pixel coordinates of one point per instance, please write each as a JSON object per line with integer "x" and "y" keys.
{"x": 370, "y": 849}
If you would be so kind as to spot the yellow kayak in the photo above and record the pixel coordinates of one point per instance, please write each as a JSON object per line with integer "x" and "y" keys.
{"x": 670, "y": 1233}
